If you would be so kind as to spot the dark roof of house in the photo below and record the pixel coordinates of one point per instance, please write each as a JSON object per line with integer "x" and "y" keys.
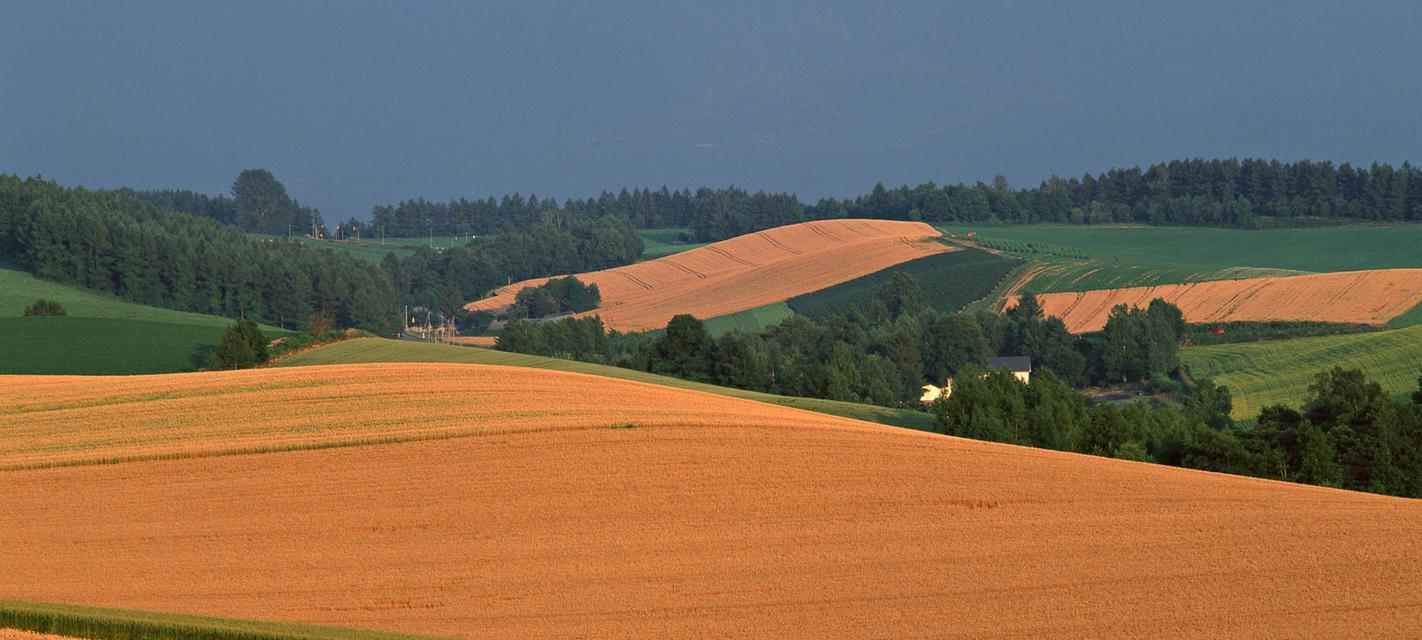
{"x": 1011, "y": 363}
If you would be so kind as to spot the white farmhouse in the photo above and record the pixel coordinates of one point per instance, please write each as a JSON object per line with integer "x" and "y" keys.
{"x": 1020, "y": 366}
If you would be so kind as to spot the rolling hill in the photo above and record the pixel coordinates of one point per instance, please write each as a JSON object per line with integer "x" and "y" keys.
{"x": 19, "y": 289}
{"x": 528, "y": 503}
{"x": 1363, "y": 297}
{"x": 1280, "y": 371}
{"x": 376, "y": 350}
{"x": 101, "y": 335}
{"x": 745, "y": 272}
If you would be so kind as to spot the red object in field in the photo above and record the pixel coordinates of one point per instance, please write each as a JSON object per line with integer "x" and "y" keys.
{"x": 1217, "y": 330}
{"x": 970, "y": 233}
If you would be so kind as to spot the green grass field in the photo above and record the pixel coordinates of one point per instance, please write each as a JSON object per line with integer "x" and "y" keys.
{"x": 101, "y": 335}
{"x": 372, "y": 251}
{"x": 1120, "y": 256}
{"x": 1264, "y": 373}
{"x": 1413, "y": 317}
{"x": 1067, "y": 274}
{"x": 97, "y": 623}
{"x": 414, "y": 242}
{"x": 950, "y": 281}
{"x": 19, "y": 289}
{"x": 103, "y": 346}
{"x": 750, "y": 320}
{"x": 658, "y": 243}
{"x": 383, "y": 350}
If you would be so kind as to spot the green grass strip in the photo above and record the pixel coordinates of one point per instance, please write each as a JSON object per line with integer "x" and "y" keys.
{"x": 1411, "y": 318}
{"x": 96, "y": 623}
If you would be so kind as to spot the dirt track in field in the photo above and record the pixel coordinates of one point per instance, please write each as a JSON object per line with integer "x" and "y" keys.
{"x": 1364, "y": 297}
{"x": 746, "y": 271}
{"x": 709, "y": 517}
{"x": 478, "y": 341}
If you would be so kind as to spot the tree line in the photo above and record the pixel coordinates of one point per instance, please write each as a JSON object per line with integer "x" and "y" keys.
{"x": 121, "y": 242}
{"x": 1348, "y": 434}
{"x": 105, "y": 241}
{"x": 1196, "y": 192}
{"x": 259, "y": 204}
{"x": 443, "y": 281}
{"x": 642, "y": 208}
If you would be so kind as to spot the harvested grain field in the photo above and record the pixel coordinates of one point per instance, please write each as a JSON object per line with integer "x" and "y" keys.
{"x": 16, "y": 634}
{"x": 1364, "y": 297}
{"x": 745, "y": 272}
{"x": 69, "y": 420}
{"x": 649, "y": 511}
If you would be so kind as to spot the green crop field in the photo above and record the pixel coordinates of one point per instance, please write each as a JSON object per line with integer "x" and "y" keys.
{"x": 658, "y": 243}
{"x": 105, "y": 346}
{"x": 1095, "y": 257}
{"x": 101, "y": 334}
{"x": 750, "y": 320}
{"x": 1280, "y": 371}
{"x": 384, "y": 350}
{"x": 1322, "y": 249}
{"x": 950, "y": 281}
{"x": 96, "y": 623}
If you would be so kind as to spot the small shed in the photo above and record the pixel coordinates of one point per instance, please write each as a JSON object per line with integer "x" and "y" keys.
{"x": 1020, "y": 366}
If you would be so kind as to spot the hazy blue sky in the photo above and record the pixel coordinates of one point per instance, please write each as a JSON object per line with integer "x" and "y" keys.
{"x": 352, "y": 104}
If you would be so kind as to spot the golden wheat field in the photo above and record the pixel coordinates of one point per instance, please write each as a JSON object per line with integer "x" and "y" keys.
{"x": 745, "y": 272}
{"x": 16, "y": 634}
{"x": 564, "y": 505}
{"x": 67, "y": 420}
{"x": 1365, "y": 297}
